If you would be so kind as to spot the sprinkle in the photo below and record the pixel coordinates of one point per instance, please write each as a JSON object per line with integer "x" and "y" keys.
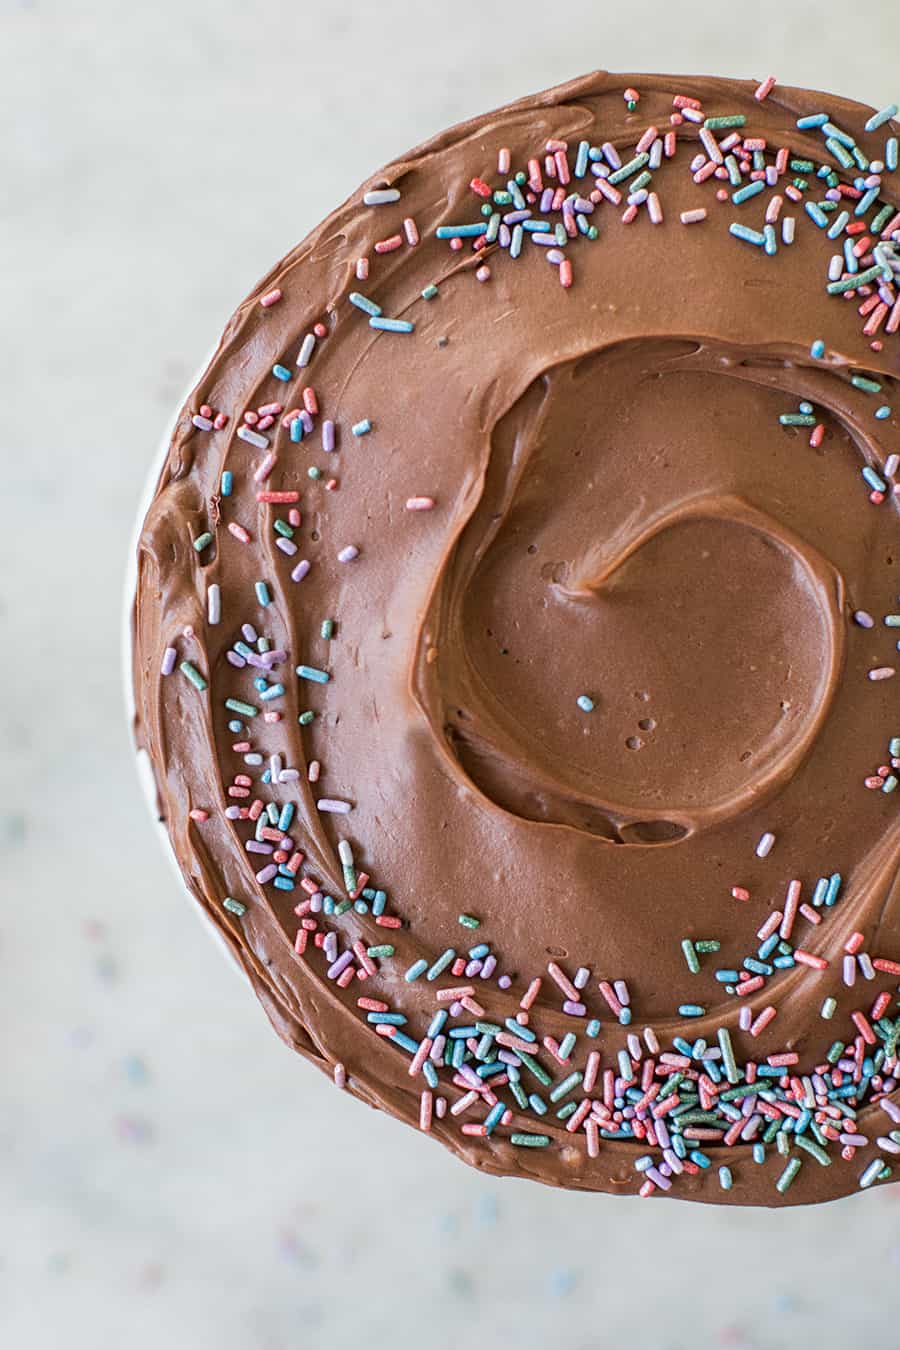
{"x": 361, "y": 428}
{"x": 817, "y": 350}
{"x": 270, "y": 298}
{"x": 882, "y": 673}
{"x": 282, "y": 373}
{"x": 723, "y": 123}
{"x": 193, "y": 674}
{"x": 391, "y": 325}
{"x": 306, "y": 350}
{"x": 747, "y": 235}
{"x": 301, "y": 570}
{"x": 765, "y": 89}
{"x": 420, "y": 504}
{"x": 879, "y": 118}
{"x": 333, "y": 806}
{"x": 694, "y": 216}
{"x": 213, "y": 603}
{"x": 362, "y": 302}
{"x": 786, "y": 1180}
{"x": 529, "y": 1140}
{"x": 468, "y": 921}
{"x": 381, "y": 196}
{"x": 871, "y": 1174}
{"x": 764, "y": 847}
{"x": 430, "y": 291}
{"x": 311, "y": 673}
{"x": 237, "y": 705}
{"x": 226, "y": 484}
{"x": 253, "y": 438}
{"x": 170, "y": 656}
{"x": 234, "y": 906}
{"x": 460, "y": 231}
{"x": 201, "y": 541}
{"x": 585, "y": 703}
{"x": 262, "y": 594}
{"x": 348, "y": 554}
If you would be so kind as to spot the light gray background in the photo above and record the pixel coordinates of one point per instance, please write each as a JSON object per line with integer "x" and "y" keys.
{"x": 169, "y": 1174}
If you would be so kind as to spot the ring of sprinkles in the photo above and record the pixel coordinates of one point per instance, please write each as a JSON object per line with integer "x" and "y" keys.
{"x": 287, "y": 497}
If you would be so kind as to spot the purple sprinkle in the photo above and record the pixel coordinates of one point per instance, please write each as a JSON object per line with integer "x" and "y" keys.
{"x": 455, "y": 1008}
{"x": 545, "y": 240}
{"x": 274, "y": 658}
{"x": 286, "y": 545}
{"x": 583, "y": 205}
{"x": 490, "y": 965}
{"x": 574, "y": 1009}
{"x": 472, "y": 969}
{"x": 233, "y": 812}
{"x": 504, "y": 982}
{"x": 611, "y": 155}
{"x": 300, "y": 571}
{"x": 504, "y": 236}
{"x": 654, "y": 1175}
{"x": 306, "y": 419}
{"x": 235, "y": 660}
{"x": 267, "y": 874}
{"x": 341, "y": 964}
{"x": 328, "y": 435}
{"x": 168, "y": 661}
{"x": 254, "y": 846}
{"x": 249, "y": 633}
{"x": 546, "y": 200}
{"x": 315, "y": 903}
{"x": 514, "y": 217}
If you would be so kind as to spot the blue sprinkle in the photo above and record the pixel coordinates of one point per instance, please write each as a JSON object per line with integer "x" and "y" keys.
{"x": 281, "y": 373}
{"x": 745, "y": 193}
{"x": 883, "y": 413}
{"x": 878, "y": 119}
{"x": 227, "y": 483}
{"x": 311, "y": 673}
{"x": 460, "y": 231}
{"x": 585, "y": 703}
{"x": 361, "y": 428}
{"x": 873, "y": 479}
{"x": 815, "y": 120}
{"x": 273, "y": 691}
{"x": 817, "y": 350}
{"x": 391, "y": 325}
{"x": 816, "y": 214}
{"x": 747, "y": 235}
{"x": 262, "y": 594}
{"x": 296, "y": 430}
{"x": 416, "y": 969}
{"x": 364, "y": 303}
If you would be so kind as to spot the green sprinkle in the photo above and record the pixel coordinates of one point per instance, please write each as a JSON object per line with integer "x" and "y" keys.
{"x": 813, "y": 1149}
{"x": 786, "y": 1180}
{"x": 853, "y": 283}
{"x": 706, "y": 945}
{"x": 469, "y": 921}
{"x": 731, "y": 1068}
{"x": 430, "y": 292}
{"x": 202, "y": 540}
{"x": 284, "y": 529}
{"x": 237, "y": 705}
{"x": 529, "y": 1140}
{"x": 313, "y": 472}
{"x": 311, "y": 673}
{"x": 327, "y": 629}
{"x": 194, "y": 676}
{"x": 306, "y": 717}
{"x": 797, "y": 420}
{"x": 385, "y": 949}
{"x": 627, "y": 170}
{"x": 829, "y": 1008}
{"x": 722, "y": 123}
{"x": 860, "y": 382}
{"x": 535, "y": 1068}
{"x": 690, "y": 956}
{"x": 565, "y": 1087}
{"x": 234, "y": 906}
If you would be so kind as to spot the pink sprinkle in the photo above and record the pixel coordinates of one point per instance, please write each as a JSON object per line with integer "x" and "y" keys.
{"x": 362, "y": 269}
{"x": 790, "y": 909}
{"x": 270, "y": 298}
{"x": 410, "y": 229}
{"x": 765, "y": 88}
{"x": 239, "y": 532}
{"x": 420, "y": 504}
{"x": 426, "y": 1107}
{"x": 882, "y": 673}
{"x": 483, "y": 273}
{"x": 503, "y": 159}
{"x": 340, "y": 1076}
{"x": 265, "y": 467}
{"x": 565, "y": 273}
{"x": 740, "y": 893}
{"x": 693, "y": 217}
{"x": 388, "y": 245}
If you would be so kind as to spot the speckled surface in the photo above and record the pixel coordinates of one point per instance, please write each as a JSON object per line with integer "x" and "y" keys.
{"x": 168, "y": 1173}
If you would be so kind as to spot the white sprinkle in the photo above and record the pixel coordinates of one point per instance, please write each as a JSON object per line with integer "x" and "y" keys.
{"x": 345, "y": 852}
{"x": 306, "y": 350}
{"x": 300, "y": 570}
{"x": 788, "y": 225}
{"x": 693, "y": 217}
{"x": 254, "y": 759}
{"x": 764, "y": 847}
{"x": 286, "y": 545}
{"x": 362, "y": 269}
{"x": 381, "y": 196}
{"x": 420, "y": 504}
{"x": 348, "y": 554}
{"x": 882, "y": 673}
{"x": 333, "y": 805}
{"x": 289, "y": 775}
{"x": 214, "y": 602}
{"x": 203, "y": 423}
{"x": 340, "y": 1076}
{"x": 503, "y": 159}
{"x": 891, "y": 465}
{"x": 253, "y": 438}
{"x": 654, "y": 209}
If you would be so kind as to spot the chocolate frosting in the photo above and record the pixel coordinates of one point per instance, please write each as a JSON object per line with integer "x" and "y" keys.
{"x": 619, "y": 514}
